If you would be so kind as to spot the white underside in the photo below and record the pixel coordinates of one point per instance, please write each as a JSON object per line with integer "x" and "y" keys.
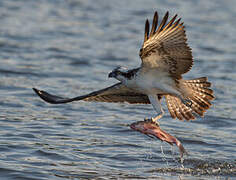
{"x": 151, "y": 83}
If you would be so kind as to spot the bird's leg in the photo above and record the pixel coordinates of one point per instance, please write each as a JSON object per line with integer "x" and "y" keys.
{"x": 155, "y": 101}
{"x": 152, "y": 120}
{"x": 184, "y": 100}
{"x": 179, "y": 95}
{"x": 155, "y": 119}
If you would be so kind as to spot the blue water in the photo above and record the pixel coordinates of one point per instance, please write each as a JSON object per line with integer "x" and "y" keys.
{"x": 68, "y": 48}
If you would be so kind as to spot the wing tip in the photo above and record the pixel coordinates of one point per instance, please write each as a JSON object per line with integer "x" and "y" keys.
{"x": 162, "y": 25}
{"x": 45, "y": 96}
{"x": 37, "y": 91}
{"x": 146, "y": 34}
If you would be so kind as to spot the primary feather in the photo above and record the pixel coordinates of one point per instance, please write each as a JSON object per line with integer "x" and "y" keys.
{"x": 166, "y": 48}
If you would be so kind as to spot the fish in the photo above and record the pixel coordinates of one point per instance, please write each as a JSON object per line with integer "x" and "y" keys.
{"x": 152, "y": 129}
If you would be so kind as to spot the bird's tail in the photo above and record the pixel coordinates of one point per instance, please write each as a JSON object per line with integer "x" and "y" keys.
{"x": 196, "y": 90}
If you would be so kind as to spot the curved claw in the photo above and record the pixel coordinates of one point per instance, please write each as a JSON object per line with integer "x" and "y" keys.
{"x": 151, "y": 120}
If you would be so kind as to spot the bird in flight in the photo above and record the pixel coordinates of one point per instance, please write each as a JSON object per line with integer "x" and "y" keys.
{"x": 165, "y": 56}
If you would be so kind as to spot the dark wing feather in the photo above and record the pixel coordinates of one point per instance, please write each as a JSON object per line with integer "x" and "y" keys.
{"x": 163, "y": 22}
{"x": 154, "y": 24}
{"x": 170, "y": 23}
{"x": 166, "y": 48}
{"x": 146, "y": 30}
{"x": 115, "y": 93}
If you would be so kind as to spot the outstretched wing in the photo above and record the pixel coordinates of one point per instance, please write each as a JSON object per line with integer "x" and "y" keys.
{"x": 166, "y": 47}
{"x": 115, "y": 93}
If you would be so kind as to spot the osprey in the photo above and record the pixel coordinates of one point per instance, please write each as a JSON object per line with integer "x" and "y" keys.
{"x": 165, "y": 56}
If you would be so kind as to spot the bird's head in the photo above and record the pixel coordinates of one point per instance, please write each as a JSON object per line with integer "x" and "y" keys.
{"x": 119, "y": 73}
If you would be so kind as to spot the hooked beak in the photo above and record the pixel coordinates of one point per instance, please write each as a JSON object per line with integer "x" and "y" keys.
{"x": 112, "y": 74}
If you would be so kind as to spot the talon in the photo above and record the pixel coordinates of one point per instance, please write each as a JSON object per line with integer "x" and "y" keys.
{"x": 154, "y": 121}
{"x": 148, "y": 120}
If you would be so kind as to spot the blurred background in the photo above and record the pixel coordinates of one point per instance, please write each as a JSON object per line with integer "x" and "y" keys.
{"x": 68, "y": 48}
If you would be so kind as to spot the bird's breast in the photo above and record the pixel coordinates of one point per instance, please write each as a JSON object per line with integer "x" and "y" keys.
{"x": 150, "y": 82}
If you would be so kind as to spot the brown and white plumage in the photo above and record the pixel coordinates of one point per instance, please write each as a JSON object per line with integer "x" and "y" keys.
{"x": 201, "y": 96}
{"x": 118, "y": 93}
{"x": 165, "y": 47}
{"x": 165, "y": 56}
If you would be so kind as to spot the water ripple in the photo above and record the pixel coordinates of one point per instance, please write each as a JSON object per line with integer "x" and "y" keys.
{"x": 68, "y": 48}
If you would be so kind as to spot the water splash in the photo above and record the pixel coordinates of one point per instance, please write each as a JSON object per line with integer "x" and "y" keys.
{"x": 164, "y": 158}
{"x": 150, "y": 128}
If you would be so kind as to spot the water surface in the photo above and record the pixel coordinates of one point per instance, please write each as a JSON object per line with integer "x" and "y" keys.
{"x": 68, "y": 48}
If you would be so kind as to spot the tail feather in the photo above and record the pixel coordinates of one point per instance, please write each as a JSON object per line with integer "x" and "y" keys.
{"x": 199, "y": 82}
{"x": 198, "y": 109}
{"x": 184, "y": 110}
{"x": 177, "y": 110}
{"x": 200, "y": 95}
{"x": 187, "y": 111}
{"x": 181, "y": 110}
{"x": 170, "y": 106}
{"x": 201, "y": 101}
{"x": 203, "y": 92}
